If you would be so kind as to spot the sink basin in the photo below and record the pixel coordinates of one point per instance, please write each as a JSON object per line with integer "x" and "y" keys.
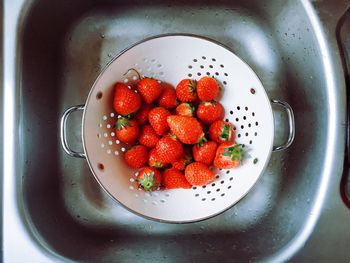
{"x": 63, "y": 46}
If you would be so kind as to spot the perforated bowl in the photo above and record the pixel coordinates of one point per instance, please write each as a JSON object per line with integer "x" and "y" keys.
{"x": 170, "y": 58}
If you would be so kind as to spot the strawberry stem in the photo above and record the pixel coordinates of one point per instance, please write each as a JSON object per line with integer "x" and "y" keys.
{"x": 236, "y": 152}
{"x": 135, "y": 70}
{"x": 121, "y": 123}
{"x": 148, "y": 182}
{"x": 192, "y": 107}
{"x": 225, "y": 134}
{"x": 201, "y": 140}
{"x": 192, "y": 85}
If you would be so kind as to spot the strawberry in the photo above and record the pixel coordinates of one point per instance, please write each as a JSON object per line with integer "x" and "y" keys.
{"x": 157, "y": 117}
{"x": 142, "y": 115}
{"x": 185, "y": 109}
{"x": 150, "y": 89}
{"x": 169, "y": 150}
{"x": 154, "y": 161}
{"x": 125, "y": 100}
{"x": 184, "y": 160}
{"x": 204, "y": 153}
{"x": 168, "y": 98}
{"x": 148, "y": 137}
{"x": 149, "y": 179}
{"x": 210, "y": 111}
{"x": 173, "y": 178}
{"x": 199, "y": 174}
{"x": 229, "y": 155}
{"x": 207, "y": 88}
{"x": 221, "y": 131}
{"x": 187, "y": 129}
{"x": 127, "y": 130}
{"x": 136, "y": 156}
{"x": 186, "y": 90}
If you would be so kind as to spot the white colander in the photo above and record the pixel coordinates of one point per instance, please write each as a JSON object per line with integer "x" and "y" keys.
{"x": 170, "y": 58}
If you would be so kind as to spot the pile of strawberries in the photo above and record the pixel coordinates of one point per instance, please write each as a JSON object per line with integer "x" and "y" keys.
{"x": 175, "y": 135}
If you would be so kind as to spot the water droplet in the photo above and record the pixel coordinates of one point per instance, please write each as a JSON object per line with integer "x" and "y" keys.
{"x": 102, "y": 36}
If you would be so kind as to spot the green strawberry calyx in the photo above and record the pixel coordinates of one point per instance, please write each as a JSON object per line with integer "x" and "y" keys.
{"x": 209, "y": 103}
{"x": 190, "y": 109}
{"x": 122, "y": 123}
{"x": 148, "y": 182}
{"x": 187, "y": 159}
{"x": 192, "y": 85}
{"x": 236, "y": 152}
{"x": 172, "y": 136}
{"x": 201, "y": 140}
{"x": 226, "y": 132}
{"x": 157, "y": 164}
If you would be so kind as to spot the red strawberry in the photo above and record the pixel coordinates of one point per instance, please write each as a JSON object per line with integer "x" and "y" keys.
{"x": 169, "y": 150}
{"x": 186, "y": 90}
{"x": 187, "y": 129}
{"x": 150, "y": 89}
{"x": 221, "y": 131}
{"x": 173, "y": 178}
{"x": 184, "y": 160}
{"x": 229, "y": 155}
{"x": 157, "y": 117}
{"x": 142, "y": 115}
{"x": 199, "y": 174}
{"x": 210, "y": 111}
{"x": 168, "y": 98}
{"x": 205, "y": 153}
{"x": 207, "y": 88}
{"x": 185, "y": 109}
{"x": 154, "y": 161}
{"x": 125, "y": 100}
{"x": 136, "y": 156}
{"x": 127, "y": 130}
{"x": 149, "y": 179}
{"x": 148, "y": 137}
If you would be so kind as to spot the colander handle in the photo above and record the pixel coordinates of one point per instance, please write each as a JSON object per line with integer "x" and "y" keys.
{"x": 291, "y": 122}
{"x": 63, "y": 131}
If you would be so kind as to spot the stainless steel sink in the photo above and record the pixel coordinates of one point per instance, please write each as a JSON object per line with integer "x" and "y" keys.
{"x": 53, "y": 208}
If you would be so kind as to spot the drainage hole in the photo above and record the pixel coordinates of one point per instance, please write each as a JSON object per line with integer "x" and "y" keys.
{"x": 99, "y": 95}
{"x": 100, "y": 166}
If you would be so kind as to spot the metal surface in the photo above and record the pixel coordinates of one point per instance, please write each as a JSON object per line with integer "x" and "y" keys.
{"x": 55, "y": 211}
{"x": 344, "y": 46}
{"x": 291, "y": 123}
{"x": 63, "y": 132}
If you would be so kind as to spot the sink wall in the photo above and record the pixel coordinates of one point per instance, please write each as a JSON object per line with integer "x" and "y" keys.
{"x": 61, "y": 52}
